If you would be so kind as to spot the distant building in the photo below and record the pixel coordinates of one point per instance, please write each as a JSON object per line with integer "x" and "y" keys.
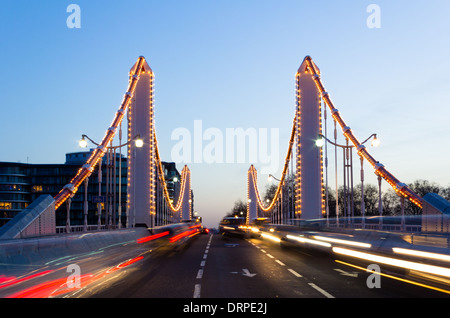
{"x": 21, "y": 184}
{"x": 15, "y": 190}
{"x": 173, "y": 179}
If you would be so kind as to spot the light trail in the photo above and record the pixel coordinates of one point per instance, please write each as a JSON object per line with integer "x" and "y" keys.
{"x": 431, "y": 269}
{"x": 396, "y": 278}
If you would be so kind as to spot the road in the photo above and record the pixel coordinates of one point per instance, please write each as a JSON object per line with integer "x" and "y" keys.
{"x": 212, "y": 266}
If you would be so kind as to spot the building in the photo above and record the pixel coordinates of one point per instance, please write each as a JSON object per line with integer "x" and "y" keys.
{"x": 15, "y": 190}
{"x": 21, "y": 184}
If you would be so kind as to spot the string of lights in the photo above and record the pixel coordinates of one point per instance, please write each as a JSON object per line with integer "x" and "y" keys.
{"x": 70, "y": 189}
{"x": 252, "y": 173}
{"x": 86, "y": 170}
{"x": 311, "y": 69}
{"x": 400, "y": 188}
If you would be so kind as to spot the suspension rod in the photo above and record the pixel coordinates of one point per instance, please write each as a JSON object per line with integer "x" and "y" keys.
{"x": 86, "y": 170}
{"x": 401, "y": 188}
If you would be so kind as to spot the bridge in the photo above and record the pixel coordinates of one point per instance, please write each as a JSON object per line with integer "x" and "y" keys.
{"x": 292, "y": 246}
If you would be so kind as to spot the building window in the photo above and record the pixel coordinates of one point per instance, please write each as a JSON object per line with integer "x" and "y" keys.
{"x": 36, "y": 188}
{"x": 5, "y": 205}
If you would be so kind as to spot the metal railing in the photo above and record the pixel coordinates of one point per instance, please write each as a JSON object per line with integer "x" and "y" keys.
{"x": 80, "y": 228}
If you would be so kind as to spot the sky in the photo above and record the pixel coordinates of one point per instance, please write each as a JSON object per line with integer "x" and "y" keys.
{"x": 227, "y": 64}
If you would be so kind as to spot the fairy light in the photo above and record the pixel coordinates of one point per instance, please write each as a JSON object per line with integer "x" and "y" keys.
{"x": 298, "y": 174}
{"x": 84, "y": 173}
{"x": 386, "y": 175}
{"x": 130, "y": 127}
{"x": 248, "y": 196}
{"x": 154, "y": 160}
{"x": 152, "y": 177}
{"x": 322, "y": 186}
{"x": 307, "y": 71}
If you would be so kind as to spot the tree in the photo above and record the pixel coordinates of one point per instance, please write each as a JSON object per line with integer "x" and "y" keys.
{"x": 371, "y": 198}
{"x": 239, "y": 209}
{"x": 391, "y": 202}
{"x": 446, "y": 193}
{"x": 271, "y": 189}
{"x": 421, "y": 187}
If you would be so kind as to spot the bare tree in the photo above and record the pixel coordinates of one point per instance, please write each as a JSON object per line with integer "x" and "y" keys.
{"x": 239, "y": 209}
{"x": 271, "y": 189}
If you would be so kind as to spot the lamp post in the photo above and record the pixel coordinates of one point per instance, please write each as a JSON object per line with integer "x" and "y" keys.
{"x": 347, "y": 150}
{"x": 111, "y": 149}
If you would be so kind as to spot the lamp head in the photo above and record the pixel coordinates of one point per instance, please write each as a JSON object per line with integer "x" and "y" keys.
{"x": 319, "y": 142}
{"x": 82, "y": 143}
{"x": 375, "y": 142}
{"x": 139, "y": 142}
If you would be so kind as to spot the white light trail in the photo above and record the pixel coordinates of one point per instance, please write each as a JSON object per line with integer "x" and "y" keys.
{"x": 441, "y": 257}
{"x": 437, "y": 270}
{"x": 345, "y": 242}
{"x": 309, "y": 241}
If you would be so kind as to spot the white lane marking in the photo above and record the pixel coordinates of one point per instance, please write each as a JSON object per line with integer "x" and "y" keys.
{"x": 323, "y": 292}
{"x": 280, "y": 262}
{"x": 200, "y": 271}
{"x": 294, "y": 272}
{"x": 344, "y": 273}
{"x": 197, "y": 291}
{"x": 247, "y": 273}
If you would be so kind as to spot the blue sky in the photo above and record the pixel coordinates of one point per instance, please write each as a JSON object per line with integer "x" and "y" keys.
{"x": 229, "y": 64}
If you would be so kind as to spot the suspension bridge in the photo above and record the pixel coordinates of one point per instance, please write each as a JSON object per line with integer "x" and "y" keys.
{"x": 160, "y": 251}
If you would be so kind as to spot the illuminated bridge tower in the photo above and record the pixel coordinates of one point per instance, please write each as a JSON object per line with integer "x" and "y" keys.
{"x": 309, "y": 189}
{"x": 141, "y": 206}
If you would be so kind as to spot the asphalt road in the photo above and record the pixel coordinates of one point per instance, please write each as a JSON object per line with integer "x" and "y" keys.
{"x": 212, "y": 266}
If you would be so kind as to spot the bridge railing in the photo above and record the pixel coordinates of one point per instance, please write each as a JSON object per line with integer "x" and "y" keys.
{"x": 81, "y": 228}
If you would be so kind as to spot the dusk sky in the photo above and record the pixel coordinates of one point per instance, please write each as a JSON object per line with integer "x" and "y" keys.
{"x": 228, "y": 64}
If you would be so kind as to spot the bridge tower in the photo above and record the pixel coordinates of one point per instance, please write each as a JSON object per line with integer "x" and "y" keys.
{"x": 141, "y": 201}
{"x": 309, "y": 188}
{"x": 309, "y": 201}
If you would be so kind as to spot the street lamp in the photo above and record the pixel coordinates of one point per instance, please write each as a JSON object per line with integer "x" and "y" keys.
{"x": 83, "y": 144}
{"x": 375, "y": 141}
{"x": 137, "y": 141}
{"x": 271, "y": 177}
{"x": 319, "y": 142}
